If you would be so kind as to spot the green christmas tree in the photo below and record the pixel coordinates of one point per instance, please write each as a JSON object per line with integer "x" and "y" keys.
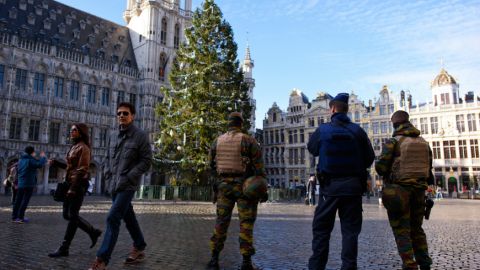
{"x": 206, "y": 85}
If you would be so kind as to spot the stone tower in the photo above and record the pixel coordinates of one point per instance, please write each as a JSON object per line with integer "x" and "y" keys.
{"x": 247, "y": 69}
{"x": 156, "y": 29}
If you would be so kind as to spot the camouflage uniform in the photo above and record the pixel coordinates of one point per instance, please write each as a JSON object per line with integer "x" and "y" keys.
{"x": 405, "y": 204}
{"x": 229, "y": 191}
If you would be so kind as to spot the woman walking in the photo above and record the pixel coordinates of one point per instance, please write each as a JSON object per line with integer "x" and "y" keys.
{"x": 78, "y": 160}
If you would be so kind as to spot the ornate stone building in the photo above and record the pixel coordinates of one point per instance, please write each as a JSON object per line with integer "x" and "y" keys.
{"x": 448, "y": 123}
{"x": 60, "y": 65}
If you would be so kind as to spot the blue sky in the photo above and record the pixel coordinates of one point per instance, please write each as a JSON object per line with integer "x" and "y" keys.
{"x": 336, "y": 46}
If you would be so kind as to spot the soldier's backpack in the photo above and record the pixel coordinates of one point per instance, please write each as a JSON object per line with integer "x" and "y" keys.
{"x": 412, "y": 159}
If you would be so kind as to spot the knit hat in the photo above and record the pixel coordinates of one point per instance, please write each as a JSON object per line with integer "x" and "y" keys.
{"x": 29, "y": 150}
{"x": 400, "y": 117}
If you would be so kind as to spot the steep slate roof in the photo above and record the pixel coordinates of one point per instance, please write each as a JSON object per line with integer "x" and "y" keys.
{"x": 69, "y": 28}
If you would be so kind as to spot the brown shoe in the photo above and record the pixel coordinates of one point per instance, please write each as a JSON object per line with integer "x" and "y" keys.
{"x": 98, "y": 264}
{"x": 135, "y": 256}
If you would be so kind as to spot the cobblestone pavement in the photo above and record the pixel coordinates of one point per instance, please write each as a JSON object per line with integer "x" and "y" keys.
{"x": 178, "y": 233}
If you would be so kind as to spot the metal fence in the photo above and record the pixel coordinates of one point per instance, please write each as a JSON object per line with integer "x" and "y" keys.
{"x": 205, "y": 194}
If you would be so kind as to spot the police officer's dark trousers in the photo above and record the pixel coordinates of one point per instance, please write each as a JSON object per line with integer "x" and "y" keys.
{"x": 350, "y": 213}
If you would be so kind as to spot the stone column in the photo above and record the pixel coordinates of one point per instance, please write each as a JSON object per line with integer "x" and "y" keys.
{"x": 46, "y": 172}
{"x": 3, "y": 175}
{"x": 98, "y": 184}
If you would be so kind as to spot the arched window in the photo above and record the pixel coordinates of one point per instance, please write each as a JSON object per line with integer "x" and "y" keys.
{"x": 176, "y": 37}
{"x": 163, "y": 33}
{"x": 163, "y": 67}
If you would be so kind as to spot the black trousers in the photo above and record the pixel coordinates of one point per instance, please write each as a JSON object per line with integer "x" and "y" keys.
{"x": 350, "y": 213}
{"x": 71, "y": 210}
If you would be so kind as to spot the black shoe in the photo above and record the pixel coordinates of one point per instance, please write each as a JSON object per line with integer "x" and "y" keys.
{"x": 213, "y": 263}
{"x": 60, "y": 252}
{"x": 248, "y": 265}
{"x": 94, "y": 236}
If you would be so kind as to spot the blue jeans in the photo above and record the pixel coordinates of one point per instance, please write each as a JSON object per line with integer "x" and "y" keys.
{"x": 121, "y": 209}
{"x": 21, "y": 202}
{"x": 350, "y": 213}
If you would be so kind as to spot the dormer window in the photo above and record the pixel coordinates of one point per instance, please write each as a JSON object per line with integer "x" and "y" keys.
{"x": 115, "y": 58}
{"x": 59, "y": 10}
{"x": 91, "y": 39}
{"x": 61, "y": 28}
{"x": 96, "y": 28}
{"x": 86, "y": 49}
{"x": 22, "y": 4}
{"x": 39, "y": 10}
{"x": 101, "y": 53}
{"x": 53, "y": 14}
{"x": 117, "y": 47}
{"x": 76, "y": 33}
{"x": 105, "y": 42}
{"x": 31, "y": 18}
{"x": 87, "y": 20}
{"x": 47, "y": 23}
{"x": 12, "y": 13}
{"x": 45, "y": 4}
{"x": 56, "y": 39}
{"x": 82, "y": 24}
{"x": 68, "y": 19}
{"x": 73, "y": 14}
{"x": 121, "y": 38}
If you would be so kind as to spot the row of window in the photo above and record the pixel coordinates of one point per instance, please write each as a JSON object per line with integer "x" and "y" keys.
{"x": 55, "y": 134}
{"x": 450, "y": 149}
{"x": 163, "y": 34}
{"x": 444, "y": 99}
{"x": 94, "y": 95}
{"x": 275, "y": 171}
{"x": 274, "y": 155}
{"x": 273, "y": 136}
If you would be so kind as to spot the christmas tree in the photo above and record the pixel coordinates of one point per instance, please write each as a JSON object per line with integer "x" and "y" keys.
{"x": 206, "y": 85}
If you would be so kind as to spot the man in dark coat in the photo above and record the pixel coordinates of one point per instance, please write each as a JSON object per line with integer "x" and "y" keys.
{"x": 345, "y": 153}
{"x": 129, "y": 157}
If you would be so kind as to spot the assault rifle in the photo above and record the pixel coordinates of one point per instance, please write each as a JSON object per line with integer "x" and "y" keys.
{"x": 428, "y": 207}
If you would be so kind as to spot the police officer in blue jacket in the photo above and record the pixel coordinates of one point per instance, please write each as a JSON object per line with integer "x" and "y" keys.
{"x": 345, "y": 153}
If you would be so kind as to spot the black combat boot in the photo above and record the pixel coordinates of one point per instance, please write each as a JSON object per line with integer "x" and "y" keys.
{"x": 94, "y": 235}
{"x": 213, "y": 263}
{"x": 62, "y": 251}
{"x": 247, "y": 264}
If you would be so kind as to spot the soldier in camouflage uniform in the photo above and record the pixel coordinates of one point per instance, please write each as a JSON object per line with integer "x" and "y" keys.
{"x": 234, "y": 157}
{"x": 406, "y": 180}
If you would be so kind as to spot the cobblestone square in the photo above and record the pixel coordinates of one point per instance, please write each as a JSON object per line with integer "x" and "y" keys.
{"x": 177, "y": 235}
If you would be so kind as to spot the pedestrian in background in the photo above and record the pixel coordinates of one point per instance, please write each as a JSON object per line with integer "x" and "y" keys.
{"x": 439, "y": 194}
{"x": 13, "y": 173}
{"x": 129, "y": 157}
{"x": 345, "y": 153}
{"x": 78, "y": 162}
{"x": 27, "y": 180}
{"x": 311, "y": 189}
{"x": 406, "y": 165}
{"x": 234, "y": 157}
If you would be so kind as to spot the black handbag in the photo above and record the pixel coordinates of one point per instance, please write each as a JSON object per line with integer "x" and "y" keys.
{"x": 61, "y": 191}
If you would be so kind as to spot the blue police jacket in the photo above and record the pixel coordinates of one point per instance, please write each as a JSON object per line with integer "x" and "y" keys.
{"x": 27, "y": 170}
{"x": 345, "y": 153}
